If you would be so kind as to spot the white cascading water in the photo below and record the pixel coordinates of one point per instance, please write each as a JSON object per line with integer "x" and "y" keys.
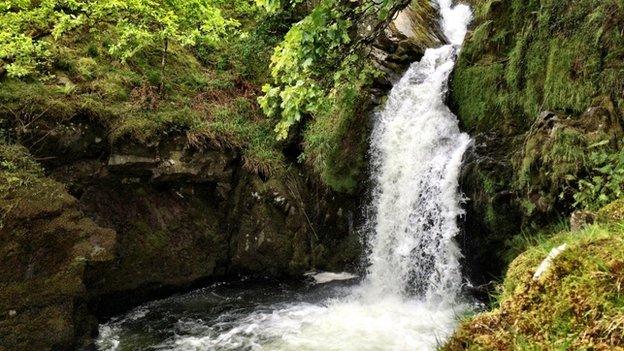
{"x": 410, "y": 298}
{"x": 417, "y": 150}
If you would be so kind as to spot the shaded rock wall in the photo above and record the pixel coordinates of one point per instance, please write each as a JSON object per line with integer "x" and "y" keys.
{"x": 537, "y": 83}
{"x": 108, "y": 226}
{"x": 47, "y": 246}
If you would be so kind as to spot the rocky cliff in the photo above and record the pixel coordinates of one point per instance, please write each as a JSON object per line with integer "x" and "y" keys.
{"x": 98, "y": 232}
{"x": 540, "y": 86}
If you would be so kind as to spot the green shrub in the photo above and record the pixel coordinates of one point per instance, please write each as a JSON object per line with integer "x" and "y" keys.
{"x": 314, "y": 56}
{"x": 604, "y": 182}
{"x": 31, "y": 30}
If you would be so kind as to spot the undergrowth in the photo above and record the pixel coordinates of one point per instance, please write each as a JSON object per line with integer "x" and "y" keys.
{"x": 206, "y": 92}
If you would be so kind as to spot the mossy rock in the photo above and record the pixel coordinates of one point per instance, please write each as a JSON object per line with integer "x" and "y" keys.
{"x": 559, "y": 153}
{"x": 613, "y": 212}
{"x": 575, "y": 304}
{"x": 46, "y": 246}
{"x": 522, "y": 61}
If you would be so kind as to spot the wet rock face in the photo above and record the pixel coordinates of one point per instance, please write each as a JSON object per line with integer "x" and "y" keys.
{"x": 46, "y": 247}
{"x": 168, "y": 236}
{"x": 404, "y": 41}
{"x": 272, "y": 237}
{"x": 172, "y": 161}
{"x": 184, "y": 215}
{"x": 492, "y": 212}
{"x": 525, "y": 180}
{"x": 134, "y": 221}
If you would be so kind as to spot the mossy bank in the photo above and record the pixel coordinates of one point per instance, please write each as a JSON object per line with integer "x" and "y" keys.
{"x": 540, "y": 86}
{"x": 569, "y": 301}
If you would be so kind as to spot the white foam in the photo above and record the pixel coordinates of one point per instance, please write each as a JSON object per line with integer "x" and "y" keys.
{"x": 345, "y": 325}
{"x": 326, "y": 277}
{"x": 108, "y": 338}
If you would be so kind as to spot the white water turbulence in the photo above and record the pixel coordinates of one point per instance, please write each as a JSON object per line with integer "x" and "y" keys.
{"x": 417, "y": 151}
{"x": 410, "y": 298}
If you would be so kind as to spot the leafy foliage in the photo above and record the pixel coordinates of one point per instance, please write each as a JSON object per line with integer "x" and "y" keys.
{"x": 275, "y": 5}
{"x": 29, "y": 28}
{"x": 316, "y": 53}
{"x": 207, "y": 94}
{"x": 335, "y": 141}
{"x": 300, "y": 65}
{"x": 320, "y": 74}
{"x": 605, "y": 181}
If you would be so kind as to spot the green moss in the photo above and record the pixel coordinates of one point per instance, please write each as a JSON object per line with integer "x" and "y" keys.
{"x": 488, "y": 186}
{"x": 570, "y": 70}
{"x": 475, "y": 93}
{"x": 208, "y": 92}
{"x": 613, "y": 212}
{"x": 576, "y": 304}
{"x": 335, "y": 141}
{"x": 566, "y": 164}
{"x": 550, "y": 55}
{"x": 530, "y": 237}
{"x": 553, "y": 161}
{"x": 25, "y": 192}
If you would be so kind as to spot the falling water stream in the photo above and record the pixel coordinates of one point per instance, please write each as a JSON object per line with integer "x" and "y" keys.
{"x": 410, "y": 298}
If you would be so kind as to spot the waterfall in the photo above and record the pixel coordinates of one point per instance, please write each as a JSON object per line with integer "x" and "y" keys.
{"x": 410, "y": 297}
{"x": 416, "y": 151}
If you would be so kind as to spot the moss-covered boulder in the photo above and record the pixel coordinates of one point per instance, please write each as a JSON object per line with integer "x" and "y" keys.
{"x": 556, "y": 155}
{"x": 614, "y": 212}
{"x": 47, "y": 247}
{"x": 564, "y": 294}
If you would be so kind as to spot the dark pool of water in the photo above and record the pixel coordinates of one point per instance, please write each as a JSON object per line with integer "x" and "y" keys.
{"x": 212, "y": 312}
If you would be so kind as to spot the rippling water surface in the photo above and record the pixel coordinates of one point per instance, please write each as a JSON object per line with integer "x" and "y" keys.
{"x": 279, "y": 316}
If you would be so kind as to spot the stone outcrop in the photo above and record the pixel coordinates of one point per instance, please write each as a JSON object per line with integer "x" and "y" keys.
{"x": 105, "y": 228}
{"x": 537, "y": 96}
{"x": 47, "y": 249}
{"x": 404, "y": 40}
